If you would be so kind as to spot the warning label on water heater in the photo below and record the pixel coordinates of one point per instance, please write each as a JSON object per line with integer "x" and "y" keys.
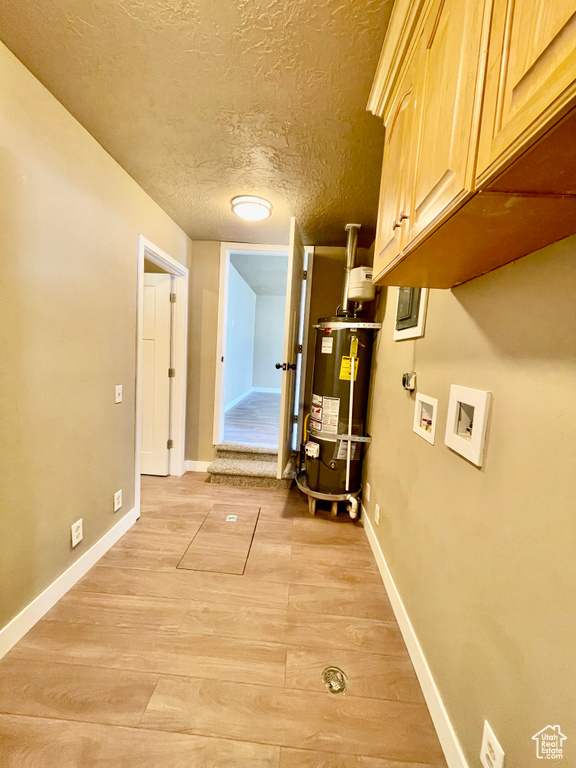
{"x": 346, "y": 369}
{"x": 330, "y": 412}
{"x": 316, "y": 412}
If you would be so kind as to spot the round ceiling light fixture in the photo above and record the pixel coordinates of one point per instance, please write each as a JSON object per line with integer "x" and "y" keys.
{"x": 251, "y": 208}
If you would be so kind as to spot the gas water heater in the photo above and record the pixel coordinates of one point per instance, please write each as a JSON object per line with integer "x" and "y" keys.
{"x": 336, "y": 421}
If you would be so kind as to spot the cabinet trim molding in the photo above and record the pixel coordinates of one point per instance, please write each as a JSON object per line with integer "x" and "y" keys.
{"x": 400, "y": 33}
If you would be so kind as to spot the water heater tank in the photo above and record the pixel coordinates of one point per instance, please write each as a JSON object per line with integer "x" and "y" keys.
{"x": 360, "y": 287}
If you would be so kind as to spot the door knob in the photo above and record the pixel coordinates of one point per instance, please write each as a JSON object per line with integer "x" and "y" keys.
{"x": 286, "y": 366}
{"x": 279, "y": 365}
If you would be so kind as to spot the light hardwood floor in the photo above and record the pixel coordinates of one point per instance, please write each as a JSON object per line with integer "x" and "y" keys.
{"x": 147, "y": 665}
{"x": 254, "y": 420}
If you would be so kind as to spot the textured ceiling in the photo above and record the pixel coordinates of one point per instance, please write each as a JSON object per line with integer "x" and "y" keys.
{"x": 201, "y": 100}
{"x": 265, "y": 273}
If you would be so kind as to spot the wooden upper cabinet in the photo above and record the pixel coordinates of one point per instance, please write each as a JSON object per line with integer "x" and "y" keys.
{"x": 396, "y": 174}
{"x": 431, "y": 115}
{"x": 530, "y": 79}
{"x": 478, "y": 99}
{"x": 448, "y": 107}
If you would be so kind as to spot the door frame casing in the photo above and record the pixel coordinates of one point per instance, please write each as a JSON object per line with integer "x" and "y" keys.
{"x": 147, "y": 250}
{"x": 309, "y": 249}
{"x": 226, "y": 248}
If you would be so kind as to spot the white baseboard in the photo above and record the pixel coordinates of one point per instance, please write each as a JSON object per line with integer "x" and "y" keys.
{"x": 25, "y": 620}
{"x": 237, "y": 400}
{"x": 446, "y": 734}
{"x": 241, "y": 397}
{"x": 197, "y": 466}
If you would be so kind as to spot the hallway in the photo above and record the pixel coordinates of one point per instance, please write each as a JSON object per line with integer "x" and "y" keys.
{"x": 145, "y": 665}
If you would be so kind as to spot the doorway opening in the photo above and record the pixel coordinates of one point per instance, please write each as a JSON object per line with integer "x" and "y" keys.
{"x": 162, "y": 318}
{"x": 263, "y": 304}
{"x": 254, "y": 346}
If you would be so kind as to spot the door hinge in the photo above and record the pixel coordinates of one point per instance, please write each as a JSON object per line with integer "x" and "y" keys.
{"x": 172, "y": 298}
{"x": 171, "y": 373}
{"x": 170, "y": 444}
{"x": 300, "y": 348}
{"x": 294, "y": 419}
{"x": 305, "y": 275}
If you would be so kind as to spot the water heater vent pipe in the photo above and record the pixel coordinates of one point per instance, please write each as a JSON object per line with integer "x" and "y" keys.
{"x": 351, "y": 246}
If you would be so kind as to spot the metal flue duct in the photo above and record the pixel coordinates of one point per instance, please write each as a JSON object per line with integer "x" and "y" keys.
{"x": 351, "y": 246}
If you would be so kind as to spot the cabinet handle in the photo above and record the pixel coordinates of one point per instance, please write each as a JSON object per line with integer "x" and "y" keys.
{"x": 398, "y": 223}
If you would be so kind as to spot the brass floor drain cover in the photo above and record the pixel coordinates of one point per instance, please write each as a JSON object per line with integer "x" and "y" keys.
{"x": 335, "y": 680}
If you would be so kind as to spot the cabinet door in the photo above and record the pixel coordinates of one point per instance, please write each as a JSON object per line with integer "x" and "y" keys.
{"x": 396, "y": 174}
{"x": 531, "y": 76}
{"x": 450, "y": 65}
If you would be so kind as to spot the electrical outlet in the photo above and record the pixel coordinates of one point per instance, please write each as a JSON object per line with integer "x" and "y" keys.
{"x": 118, "y": 393}
{"x": 367, "y": 492}
{"x": 76, "y": 532}
{"x": 377, "y": 514}
{"x": 491, "y": 754}
{"x": 117, "y": 500}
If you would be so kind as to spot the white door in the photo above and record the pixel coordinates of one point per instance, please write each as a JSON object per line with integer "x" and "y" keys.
{"x": 157, "y": 312}
{"x": 291, "y": 326}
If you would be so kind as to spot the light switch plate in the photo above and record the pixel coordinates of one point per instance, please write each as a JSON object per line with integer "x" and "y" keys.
{"x": 117, "y": 500}
{"x": 231, "y": 518}
{"x": 367, "y": 493}
{"x": 377, "y": 514}
{"x": 118, "y": 393}
{"x": 491, "y": 753}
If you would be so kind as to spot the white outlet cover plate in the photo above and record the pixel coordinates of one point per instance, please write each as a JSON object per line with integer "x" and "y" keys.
{"x": 377, "y": 514}
{"x": 117, "y": 500}
{"x": 367, "y": 494}
{"x": 76, "y": 532}
{"x": 491, "y": 753}
{"x": 118, "y": 393}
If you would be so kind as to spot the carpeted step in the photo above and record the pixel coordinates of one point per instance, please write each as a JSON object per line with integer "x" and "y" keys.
{"x": 246, "y": 452}
{"x": 256, "y": 472}
{"x": 254, "y": 468}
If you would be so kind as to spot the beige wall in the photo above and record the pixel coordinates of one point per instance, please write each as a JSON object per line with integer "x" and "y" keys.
{"x": 204, "y": 265}
{"x": 69, "y": 224}
{"x": 484, "y": 558}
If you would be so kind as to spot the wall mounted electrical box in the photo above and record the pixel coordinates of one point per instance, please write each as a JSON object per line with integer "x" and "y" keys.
{"x": 409, "y": 380}
{"x": 466, "y": 422}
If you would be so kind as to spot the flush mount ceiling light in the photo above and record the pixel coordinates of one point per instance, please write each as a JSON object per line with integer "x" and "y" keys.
{"x": 251, "y": 208}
